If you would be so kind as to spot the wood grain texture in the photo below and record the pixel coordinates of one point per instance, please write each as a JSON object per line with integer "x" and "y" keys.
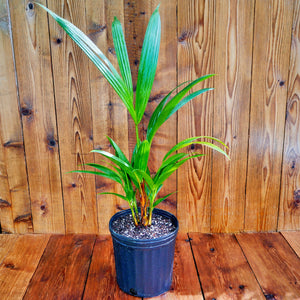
{"x": 101, "y": 282}
{"x": 19, "y": 265}
{"x": 185, "y": 285}
{"x": 293, "y": 238}
{"x": 63, "y": 268}
{"x": 14, "y": 193}
{"x": 33, "y": 66}
{"x": 276, "y": 266}
{"x": 233, "y": 53}
{"x": 196, "y": 26}
{"x": 272, "y": 28}
{"x": 62, "y": 108}
{"x": 289, "y": 214}
{"x": 109, "y": 113}
{"x": 74, "y": 116}
{"x": 7, "y": 242}
{"x": 223, "y": 270}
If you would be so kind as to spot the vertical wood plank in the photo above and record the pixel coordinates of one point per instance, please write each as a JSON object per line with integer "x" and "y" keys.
{"x": 273, "y": 24}
{"x": 15, "y": 201}
{"x": 223, "y": 270}
{"x": 185, "y": 285}
{"x": 233, "y": 53}
{"x": 101, "y": 282}
{"x": 33, "y": 66}
{"x": 74, "y": 116}
{"x": 274, "y": 263}
{"x": 137, "y": 15}
{"x": 19, "y": 265}
{"x": 63, "y": 268}
{"x": 196, "y": 26}
{"x": 289, "y": 214}
{"x": 293, "y": 238}
{"x": 109, "y": 113}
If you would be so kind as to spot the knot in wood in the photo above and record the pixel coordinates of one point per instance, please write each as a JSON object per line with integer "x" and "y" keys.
{"x": 9, "y": 266}
{"x": 25, "y": 111}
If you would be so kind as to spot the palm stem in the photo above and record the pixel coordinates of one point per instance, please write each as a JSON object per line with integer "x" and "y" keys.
{"x": 137, "y": 134}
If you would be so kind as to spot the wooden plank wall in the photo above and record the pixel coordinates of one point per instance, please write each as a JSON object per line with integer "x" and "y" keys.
{"x": 56, "y": 107}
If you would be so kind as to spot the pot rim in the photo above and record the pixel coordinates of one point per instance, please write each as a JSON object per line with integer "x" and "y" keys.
{"x": 166, "y": 238}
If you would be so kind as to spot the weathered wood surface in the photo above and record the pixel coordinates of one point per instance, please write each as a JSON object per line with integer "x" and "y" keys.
{"x": 63, "y": 268}
{"x": 196, "y": 26}
{"x": 293, "y": 238}
{"x": 274, "y": 263}
{"x": 270, "y": 67}
{"x": 37, "y": 108}
{"x": 233, "y": 53}
{"x": 14, "y": 193}
{"x": 56, "y": 107}
{"x": 19, "y": 264}
{"x": 74, "y": 117}
{"x": 289, "y": 215}
{"x": 223, "y": 270}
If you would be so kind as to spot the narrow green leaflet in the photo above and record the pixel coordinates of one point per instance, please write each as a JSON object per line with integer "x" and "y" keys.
{"x": 162, "y": 199}
{"x": 186, "y": 100}
{"x": 118, "y": 151}
{"x": 148, "y": 64}
{"x": 115, "y": 194}
{"x": 142, "y": 156}
{"x": 122, "y": 54}
{"x": 192, "y": 140}
{"x": 112, "y": 177}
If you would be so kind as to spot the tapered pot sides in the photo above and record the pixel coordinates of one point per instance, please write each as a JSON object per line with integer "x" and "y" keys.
{"x": 144, "y": 267}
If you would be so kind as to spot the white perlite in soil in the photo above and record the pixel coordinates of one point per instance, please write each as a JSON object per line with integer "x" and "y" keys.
{"x": 160, "y": 226}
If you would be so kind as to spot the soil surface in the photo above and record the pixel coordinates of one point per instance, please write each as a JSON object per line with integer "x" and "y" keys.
{"x": 161, "y": 226}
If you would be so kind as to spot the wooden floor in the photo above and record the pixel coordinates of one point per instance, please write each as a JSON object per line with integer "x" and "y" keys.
{"x": 223, "y": 266}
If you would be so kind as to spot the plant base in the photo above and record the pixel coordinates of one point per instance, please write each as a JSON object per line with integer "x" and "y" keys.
{"x": 144, "y": 267}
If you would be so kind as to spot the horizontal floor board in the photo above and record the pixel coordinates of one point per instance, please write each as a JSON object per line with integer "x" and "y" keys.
{"x": 223, "y": 270}
{"x": 63, "y": 268}
{"x": 19, "y": 265}
{"x": 293, "y": 238}
{"x": 275, "y": 264}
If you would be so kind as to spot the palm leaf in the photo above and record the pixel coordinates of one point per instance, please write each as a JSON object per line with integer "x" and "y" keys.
{"x": 142, "y": 155}
{"x": 122, "y": 54}
{"x": 173, "y": 105}
{"x": 148, "y": 64}
{"x": 98, "y": 58}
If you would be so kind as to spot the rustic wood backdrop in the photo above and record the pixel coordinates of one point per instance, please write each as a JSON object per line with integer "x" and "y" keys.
{"x": 56, "y": 107}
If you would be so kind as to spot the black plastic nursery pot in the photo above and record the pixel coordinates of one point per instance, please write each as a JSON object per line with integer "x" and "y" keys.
{"x": 144, "y": 267}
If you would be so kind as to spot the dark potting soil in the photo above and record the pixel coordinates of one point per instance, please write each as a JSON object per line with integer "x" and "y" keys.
{"x": 161, "y": 226}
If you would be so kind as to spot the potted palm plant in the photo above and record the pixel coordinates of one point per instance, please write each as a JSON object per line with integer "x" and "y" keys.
{"x": 143, "y": 253}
